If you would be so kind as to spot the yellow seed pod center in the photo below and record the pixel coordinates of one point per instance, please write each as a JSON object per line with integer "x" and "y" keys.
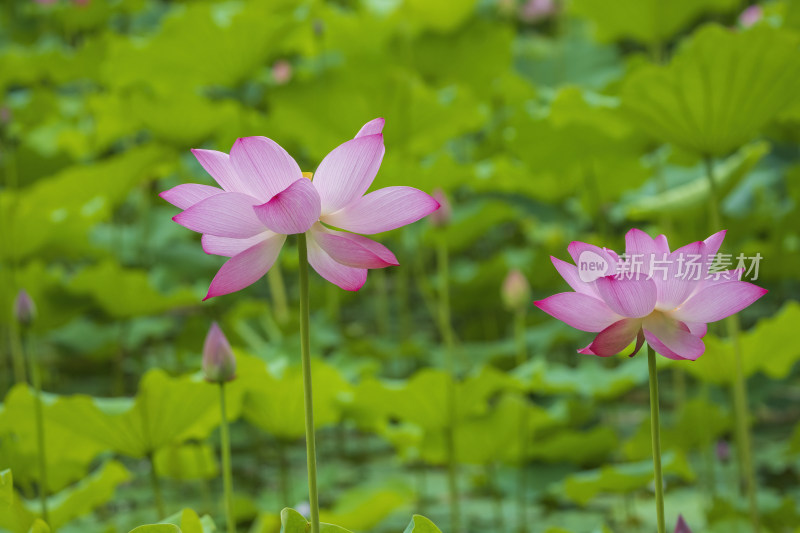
{"x": 308, "y": 175}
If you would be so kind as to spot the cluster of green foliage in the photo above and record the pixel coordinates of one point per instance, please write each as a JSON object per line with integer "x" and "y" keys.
{"x": 573, "y": 122}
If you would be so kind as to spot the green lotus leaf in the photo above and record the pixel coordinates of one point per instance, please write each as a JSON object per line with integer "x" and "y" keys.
{"x": 363, "y": 508}
{"x": 420, "y": 524}
{"x": 156, "y": 528}
{"x": 6, "y": 488}
{"x": 294, "y": 522}
{"x": 187, "y": 461}
{"x": 39, "y": 526}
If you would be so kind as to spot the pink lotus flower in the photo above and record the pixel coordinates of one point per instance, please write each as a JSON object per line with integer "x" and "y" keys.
{"x": 654, "y": 295}
{"x": 265, "y": 197}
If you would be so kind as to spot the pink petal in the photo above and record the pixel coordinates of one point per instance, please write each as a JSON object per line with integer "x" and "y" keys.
{"x": 717, "y": 301}
{"x": 579, "y": 311}
{"x": 188, "y": 194}
{"x": 220, "y": 167}
{"x": 640, "y": 249}
{"x": 672, "y": 338}
{"x": 347, "y": 172}
{"x": 228, "y": 214}
{"x": 614, "y": 338}
{"x": 246, "y": 268}
{"x": 631, "y": 298}
{"x": 293, "y": 210}
{"x": 228, "y": 247}
{"x": 682, "y": 526}
{"x": 346, "y": 277}
{"x": 698, "y": 329}
{"x": 351, "y": 249}
{"x": 383, "y": 210}
{"x": 713, "y": 242}
{"x": 674, "y": 279}
{"x": 265, "y": 168}
{"x": 569, "y": 272}
{"x": 577, "y": 248}
{"x": 373, "y": 127}
{"x": 662, "y": 246}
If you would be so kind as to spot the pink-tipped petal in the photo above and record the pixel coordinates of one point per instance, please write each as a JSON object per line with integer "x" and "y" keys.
{"x": 578, "y": 310}
{"x": 383, "y": 210}
{"x": 631, "y": 298}
{"x": 569, "y": 272}
{"x": 672, "y": 338}
{"x": 673, "y": 276}
{"x": 352, "y": 250}
{"x": 662, "y": 246}
{"x": 347, "y": 172}
{"x": 264, "y": 166}
{"x": 640, "y": 249}
{"x": 716, "y": 301}
{"x": 698, "y": 329}
{"x": 228, "y": 247}
{"x": 293, "y": 210}
{"x": 583, "y": 253}
{"x": 346, "y": 277}
{"x": 186, "y": 195}
{"x": 713, "y": 242}
{"x": 246, "y": 268}
{"x": 373, "y": 127}
{"x": 615, "y": 338}
{"x": 220, "y": 167}
{"x": 228, "y": 214}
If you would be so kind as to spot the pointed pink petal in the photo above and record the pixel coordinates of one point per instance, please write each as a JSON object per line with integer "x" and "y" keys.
{"x": 265, "y": 168}
{"x": 577, "y": 248}
{"x": 662, "y": 246}
{"x": 569, "y": 272}
{"x": 674, "y": 279}
{"x": 698, "y": 329}
{"x": 383, "y": 210}
{"x": 347, "y": 172}
{"x": 672, "y": 338}
{"x": 631, "y": 298}
{"x": 219, "y": 166}
{"x": 351, "y": 249}
{"x": 228, "y": 214}
{"x": 640, "y": 249}
{"x": 717, "y": 301}
{"x": 293, "y": 210}
{"x": 682, "y": 526}
{"x": 346, "y": 277}
{"x": 246, "y": 268}
{"x": 188, "y": 194}
{"x": 713, "y": 242}
{"x": 373, "y": 127}
{"x": 578, "y": 310}
{"x": 614, "y": 338}
{"x": 228, "y": 247}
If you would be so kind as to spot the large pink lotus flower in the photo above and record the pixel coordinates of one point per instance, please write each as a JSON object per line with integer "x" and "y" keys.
{"x": 265, "y": 197}
{"x": 654, "y": 295}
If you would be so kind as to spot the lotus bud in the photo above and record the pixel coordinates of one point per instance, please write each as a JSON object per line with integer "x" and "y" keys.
{"x": 750, "y": 16}
{"x": 441, "y": 217}
{"x": 24, "y": 308}
{"x": 516, "y": 291}
{"x": 681, "y": 526}
{"x": 723, "y": 451}
{"x": 219, "y": 363}
{"x": 282, "y": 72}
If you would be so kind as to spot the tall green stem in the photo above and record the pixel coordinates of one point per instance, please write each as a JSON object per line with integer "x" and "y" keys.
{"x": 713, "y": 204}
{"x": 36, "y": 377}
{"x": 305, "y": 352}
{"x": 522, "y": 481}
{"x": 227, "y": 474}
{"x": 155, "y": 485}
{"x": 446, "y": 328}
{"x": 655, "y": 434}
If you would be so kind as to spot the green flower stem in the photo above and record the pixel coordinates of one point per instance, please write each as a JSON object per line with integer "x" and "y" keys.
{"x": 17, "y": 356}
{"x": 36, "y": 377}
{"x": 655, "y": 434}
{"x": 522, "y": 481}
{"x": 227, "y": 474}
{"x": 155, "y": 485}
{"x": 446, "y": 329}
{"x": 305, "y": 352}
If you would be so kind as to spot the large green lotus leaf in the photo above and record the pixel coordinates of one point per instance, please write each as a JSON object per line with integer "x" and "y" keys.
{"x": 6, "y": 489}
{"x": 157, "y": 528}
{"x": 719, "y": 90}
{"x": 693, "y": 195}
{"x": 165, "y": 411}
{"x": 363, "y": 508}
{"x": 39, "y": 526}
{"x": 294, "y": 522}
{"x": 277, "y": 407}
{"x": 187, "y": 462}
{"x": 646, "y": 21}
{"x": 126, "y": 292}
{"x": 438, "y": 15}
{"x": 57, "y": 212}
{"x": 569, "y": 445}
{"x": 768, "y": 348}
{"x": 582, "y": 487}
{"x": 187, "y": 519}
{"x": 420, "y": 524}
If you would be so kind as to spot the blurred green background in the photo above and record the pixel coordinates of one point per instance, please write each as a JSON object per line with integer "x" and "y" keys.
{"x": 543, "y": 121}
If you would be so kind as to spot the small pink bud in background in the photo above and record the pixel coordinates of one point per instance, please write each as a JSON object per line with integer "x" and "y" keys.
{"x": 536, "y": 10}
{"x": 441, "y": 217}
{"x": 516, "y": 291}
{"x": 5, "y": 115}
{"x": 750, "y": 16}
{"x": 219, "y": 363}
{"x": 681, "y": 526}
{"x": 282, "y": 72}
{"x": 723, "y": 451}
{"x": 24, "y": 308}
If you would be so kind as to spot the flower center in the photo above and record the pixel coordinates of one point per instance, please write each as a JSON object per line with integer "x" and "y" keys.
{"x": 309, "y": 175}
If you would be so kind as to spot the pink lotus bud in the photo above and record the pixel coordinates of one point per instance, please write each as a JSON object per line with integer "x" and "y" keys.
{"x": 24, "y": 308}
{"x": 219, "y": 363}
{"x": 516, "y": 291}
{"x": 441, "y": 217}
{"x": 750, "y": 16}
{"x": 681, "y": 526}
{"x": 536, "y": 10}
{"x": 5, "y": 115}
{"x": 282, "y": 72}
{"x": 723, "y": 451}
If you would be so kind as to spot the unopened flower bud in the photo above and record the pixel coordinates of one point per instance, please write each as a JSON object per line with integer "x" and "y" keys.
{"x": 516, "y": 291}
{"x": 282, "y": 72}
{"x": 24, "y": 308}
{"x": 723, "y": 451}
{"x": 441, "y": 217}
{"x": 750, "y": 16}
{"x": 682, "y": 526}
{"x": 219, "y": 363}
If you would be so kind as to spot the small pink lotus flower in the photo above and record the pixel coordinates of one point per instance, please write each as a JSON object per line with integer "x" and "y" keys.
{"x": 536, "y": 10}
{"x": 282, "y": 72}
{"x": 24, "y": 308}
{"x": 751, "y": 15}
{"x": 265, "y": 197}
{"x": 442, "y": 216}
{"x": 516, "y": 290}
{"x": 682, "y": 526}
{"x": 654, "y": 295}
{"x": 219, "y": 363}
